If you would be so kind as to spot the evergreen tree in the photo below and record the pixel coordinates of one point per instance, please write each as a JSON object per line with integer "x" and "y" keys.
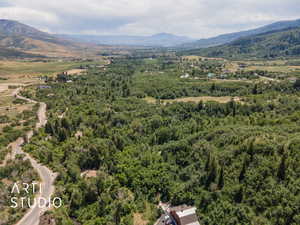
{"x": 239, "y": 195}
{"x": 281, "y": 174}
{"x": 212, "y": 172}
{"x": 243, "y": 171}
{"x": 221, "y": 178}
{"x": 255, "y": 90}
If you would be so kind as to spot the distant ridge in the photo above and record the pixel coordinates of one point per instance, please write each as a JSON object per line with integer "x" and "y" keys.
{"x": 226, "y": 38}
{"x": 272, "y": 44}
{"x": 20, "y": 40}
{"x": 157, "y": 40}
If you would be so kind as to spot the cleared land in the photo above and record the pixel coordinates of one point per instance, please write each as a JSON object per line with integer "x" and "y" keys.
{"x": 76, "y": 71}
{"x": 279, "y": 66}
{"x": 139, "y": 220}
{"x": 9, "y": 68}
{"x": 223, "y": 99}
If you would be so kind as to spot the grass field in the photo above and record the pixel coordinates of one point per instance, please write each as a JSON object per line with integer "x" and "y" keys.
{"x": 8, "y": 68}
{"x": 279, "y": 66}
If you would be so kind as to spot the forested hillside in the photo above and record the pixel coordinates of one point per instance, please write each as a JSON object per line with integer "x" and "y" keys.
{"x": 226, "y": 38}
{"x": 237, "y": 162}
{"x": 283, "y": 43}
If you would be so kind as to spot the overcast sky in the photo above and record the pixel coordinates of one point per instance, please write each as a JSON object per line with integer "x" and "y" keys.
{"x": 194, "y": 18}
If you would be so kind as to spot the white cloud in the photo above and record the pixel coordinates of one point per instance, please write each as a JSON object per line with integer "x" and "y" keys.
{"x": 197, "y": 18}
{"x": 27, "y": 14}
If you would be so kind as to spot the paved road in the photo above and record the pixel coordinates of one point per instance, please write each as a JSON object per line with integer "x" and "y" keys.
{"x": 32, "y": 217}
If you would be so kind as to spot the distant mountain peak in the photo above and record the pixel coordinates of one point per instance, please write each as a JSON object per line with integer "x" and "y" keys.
{"x": 12, "y": 27}
{"x": 156, "y": 40}
{"x": 21, "y": 37}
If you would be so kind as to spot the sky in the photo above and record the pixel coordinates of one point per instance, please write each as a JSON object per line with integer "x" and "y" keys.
{"x": 193, "y": 18}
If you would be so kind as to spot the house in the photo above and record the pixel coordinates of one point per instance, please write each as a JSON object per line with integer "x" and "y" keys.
{"x": 44, "y": 87}
{"x": 211, "y": 75}
{"x": 185, "y": 76}
{"x": 242, "y": 65}
{"x": 223, "y": 76}
{"x": 184, "y": 215}
{"x": 292, "y": 79}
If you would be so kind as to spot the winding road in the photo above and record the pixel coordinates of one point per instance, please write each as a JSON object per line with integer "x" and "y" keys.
{"x": 32, "y": 217}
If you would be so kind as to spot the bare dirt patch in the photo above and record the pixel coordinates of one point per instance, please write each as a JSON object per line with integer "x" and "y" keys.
{"x": 138, "y": 219}
{"x": 223, "y": 99}
{"x": 89, "y": 173}
{"x": 76, "y": 71}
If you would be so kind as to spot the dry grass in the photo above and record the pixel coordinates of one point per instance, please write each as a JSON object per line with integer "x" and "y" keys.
{"x": 232, "y": 67}
{"x": 3, "y": 125}
{"x": 150, "y": 100}
{"x": 49, "y": 49}
{"x": 89, "y": 173}
{"x": 25, "y": 68}
{"x": 279, "y": 69}
{"x": 7, "y": 107}
{"x": 194, "y": 57}
{"x": 223, "y": 99}
{"x": 138, "y": 219}
{"x": 231, "y": 80}
{"x": 12, "y": 110}
{"x": 75, "y": 71}
{"x": 270, "y": 66}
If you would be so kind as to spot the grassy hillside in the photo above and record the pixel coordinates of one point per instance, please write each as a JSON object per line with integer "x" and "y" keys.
{"x": 21, "y": 37}
{"x": 12, "y": 53}
{"x": 283, "y": 43}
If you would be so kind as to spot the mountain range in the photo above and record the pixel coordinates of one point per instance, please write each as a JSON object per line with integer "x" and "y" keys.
{"x": 170, "y": 40}
{"x": 226, "y": 38}
{"x": 157, "y": 40}
{"x": 272, "y": 44}
{"x": 21, "y": 40}
{"x": 277, "y": 39}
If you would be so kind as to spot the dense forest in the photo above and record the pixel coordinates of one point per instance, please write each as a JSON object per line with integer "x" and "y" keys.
{"x": 237, "y": 162}
{"x": 275, "y": 44}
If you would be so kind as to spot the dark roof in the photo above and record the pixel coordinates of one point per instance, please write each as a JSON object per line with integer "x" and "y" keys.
{"x": 189, "y": 219}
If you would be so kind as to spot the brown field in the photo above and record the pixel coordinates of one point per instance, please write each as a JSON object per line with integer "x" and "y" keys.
{"x": 279, "y": 69}
{"x": 191, "y": 57}
{"x": 75, "y": 71}
{"x": 270, "y": 66}
{"x": 194, "y": 57}
{"x": 223, "y": 99}
{"x": 231, "y": 80}
{"x": 25, "y": 68}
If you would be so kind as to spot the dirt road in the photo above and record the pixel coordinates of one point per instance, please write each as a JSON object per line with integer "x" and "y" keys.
{"x": 32, "y": 217}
